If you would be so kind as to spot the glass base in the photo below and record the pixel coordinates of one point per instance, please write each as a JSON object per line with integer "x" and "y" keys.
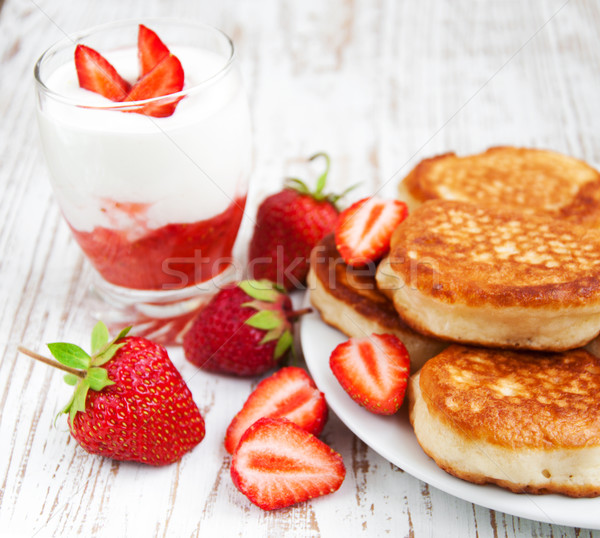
{"x": 160, "y": 316}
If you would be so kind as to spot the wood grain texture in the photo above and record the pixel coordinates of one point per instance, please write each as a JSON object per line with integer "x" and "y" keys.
{"x": 379, "y": 85}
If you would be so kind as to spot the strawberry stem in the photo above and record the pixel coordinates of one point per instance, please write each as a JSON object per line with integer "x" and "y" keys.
{"x": 295, "y": 314}
{"x": 50, "y": 362}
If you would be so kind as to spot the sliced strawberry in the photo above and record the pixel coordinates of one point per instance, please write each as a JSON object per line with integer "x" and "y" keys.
{"x": 96, "y": 74}
{"x": 364, "y": 230}
{"x": 289, "y": 393}
{"x": 164, "y": 79}
{"x": 278, "y": 464}
{"x": 151, "y": 50}
{"x": 373, "y": 371}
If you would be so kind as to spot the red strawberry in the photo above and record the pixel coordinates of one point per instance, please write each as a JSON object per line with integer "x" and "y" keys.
{"x": 289, "y": 393}
{"x": 96, "y": 74}
{"x": 244, "y": 330}
{"x": 364, "y": 230}
{"x": 151, "y": 50}
{"x": 161, "y": 75}
{"x": 163, "y": 79}
{"x": 130, "y": 402}
{"x": 373, "y": 371}
{"x": 288, "y": 225}
{"x": 278, "y": 464}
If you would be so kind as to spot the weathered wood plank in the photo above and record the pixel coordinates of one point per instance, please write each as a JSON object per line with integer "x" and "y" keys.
{"x": 379, "y": 85}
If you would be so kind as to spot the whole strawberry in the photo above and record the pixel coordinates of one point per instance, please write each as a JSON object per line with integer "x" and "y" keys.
{"x": 130, "y": 403}
{"x": 244, "y": 330}
{"x": 288, "y": 225}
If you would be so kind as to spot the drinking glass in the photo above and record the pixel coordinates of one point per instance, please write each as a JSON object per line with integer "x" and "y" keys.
{"x": 155, "y": 203}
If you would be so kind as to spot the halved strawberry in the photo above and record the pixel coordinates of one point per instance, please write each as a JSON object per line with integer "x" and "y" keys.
{"x": 278, "y": 464}
{"x": 96, "y": 74}
{"x": 151, "y": 50}
{"x": 164, "y": 79}
{"x": 288, "y": 393}
{"x": 364, "y": 230}
{"x": 373, "y": 371}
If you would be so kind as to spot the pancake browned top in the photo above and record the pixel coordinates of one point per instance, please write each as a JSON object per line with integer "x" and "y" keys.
{"x": 516, "y": 399}
{"x": 459, "y": 253}
{"x": 355, "y": 287}
{"x": 531, "y": 180}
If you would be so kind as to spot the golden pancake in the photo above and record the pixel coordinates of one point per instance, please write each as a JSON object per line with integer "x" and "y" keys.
{"x": 488, "y": 276}
{"x": 348, "y": 299}
{"x": 527, "y": 421}
{"x": 528, "y": 180}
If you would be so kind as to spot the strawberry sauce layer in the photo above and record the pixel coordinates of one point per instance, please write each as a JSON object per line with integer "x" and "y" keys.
{"x": 174, "y": 256}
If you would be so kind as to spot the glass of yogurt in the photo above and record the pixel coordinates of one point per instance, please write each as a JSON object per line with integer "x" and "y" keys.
{"x": 155, "y": 203}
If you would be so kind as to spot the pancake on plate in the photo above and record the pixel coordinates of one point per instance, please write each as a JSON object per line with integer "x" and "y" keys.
{"x": 348, "y": 299}
{"x": 526, "y": 421}
{"x": 492, "y": 277}
{"x": 528, "y": 180}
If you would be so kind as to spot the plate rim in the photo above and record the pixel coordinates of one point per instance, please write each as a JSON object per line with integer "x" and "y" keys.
{"x": 502, "y": 500}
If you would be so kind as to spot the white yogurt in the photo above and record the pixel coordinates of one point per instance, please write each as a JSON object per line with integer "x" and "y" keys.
{"x": 183, "y": 168}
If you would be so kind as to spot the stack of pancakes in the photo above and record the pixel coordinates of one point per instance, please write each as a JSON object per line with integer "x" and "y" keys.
{"x": 493, "y": 285}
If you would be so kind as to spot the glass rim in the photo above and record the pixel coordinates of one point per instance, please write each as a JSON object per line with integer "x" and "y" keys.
{"x": 73, "y": 40}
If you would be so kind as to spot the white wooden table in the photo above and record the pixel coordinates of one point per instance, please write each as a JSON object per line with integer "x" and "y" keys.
{"x": 379, "y": 85}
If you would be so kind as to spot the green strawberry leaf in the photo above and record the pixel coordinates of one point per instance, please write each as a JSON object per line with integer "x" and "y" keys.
{"x": 70, "y": 355}
{"x": 98, "y": 378}
{"x": 298, "y": 185}
{"x": 334, "y": 198}
{"x": 99, "y": 337}
{"x": 71, "y": 379}
{"x": 262, "y": 290}
{"x": 80, "y": 364}
{"x": 107, "y": 354}
{"x": 271, "y": 335}
{"x": 78, "y": 401}
{"x": 318, "y": 194}
{"x": 283, "y": 344}
{"x": 265, "y": 320}
{"x": 124, "y": 332}
{"x": 65, "y": 409}
{"x": 257, "y": 305}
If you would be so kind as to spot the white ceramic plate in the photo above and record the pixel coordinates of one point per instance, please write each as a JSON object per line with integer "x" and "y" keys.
{"x": 393, "y": 438}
